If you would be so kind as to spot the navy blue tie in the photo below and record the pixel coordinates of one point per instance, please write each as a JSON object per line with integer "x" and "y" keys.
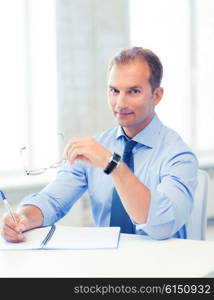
{"x": 119, "y": 216}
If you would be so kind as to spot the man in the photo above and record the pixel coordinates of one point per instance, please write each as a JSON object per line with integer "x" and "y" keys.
{"x": 149, "y": 191}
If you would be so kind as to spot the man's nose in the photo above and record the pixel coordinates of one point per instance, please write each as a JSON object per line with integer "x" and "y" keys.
{"x": 121, "y": 101}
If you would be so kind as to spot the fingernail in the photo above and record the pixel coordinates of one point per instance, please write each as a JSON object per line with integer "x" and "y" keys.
{"x": 17, "y": 229}
{"x": 21, "y": 228}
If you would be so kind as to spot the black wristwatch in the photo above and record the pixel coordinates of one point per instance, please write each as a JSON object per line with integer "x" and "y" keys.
{"x": 114, "y": 162}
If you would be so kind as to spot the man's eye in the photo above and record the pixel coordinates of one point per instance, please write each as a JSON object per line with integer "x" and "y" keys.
{"x": 134, "y": 91}
{"x": 114, "y": 91}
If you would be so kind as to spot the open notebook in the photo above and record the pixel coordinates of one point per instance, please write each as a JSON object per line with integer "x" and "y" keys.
{"x": 66, "y": 237}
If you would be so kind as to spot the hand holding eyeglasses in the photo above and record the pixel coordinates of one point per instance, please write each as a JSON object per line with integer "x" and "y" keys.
{"x": 87, "y": 150}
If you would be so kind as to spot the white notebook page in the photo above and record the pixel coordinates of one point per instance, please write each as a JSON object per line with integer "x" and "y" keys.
{"x": 66, "y": 237}
{"x": 84, "y": 237}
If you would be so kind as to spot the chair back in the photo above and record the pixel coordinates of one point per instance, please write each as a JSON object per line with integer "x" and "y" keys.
{"x": 197, "y": 225}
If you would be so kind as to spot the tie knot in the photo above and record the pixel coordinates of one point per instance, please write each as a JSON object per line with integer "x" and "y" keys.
{"x": 129, "y": 146}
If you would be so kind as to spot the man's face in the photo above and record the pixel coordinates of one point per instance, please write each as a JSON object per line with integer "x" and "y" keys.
{"x": 130, "y": 95}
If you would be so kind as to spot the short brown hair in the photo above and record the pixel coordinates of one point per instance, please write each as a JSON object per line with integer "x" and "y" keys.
{"x": 154, "y": 63}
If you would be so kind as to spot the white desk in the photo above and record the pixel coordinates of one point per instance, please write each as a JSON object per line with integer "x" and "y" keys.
{"x": 135, "y": 257}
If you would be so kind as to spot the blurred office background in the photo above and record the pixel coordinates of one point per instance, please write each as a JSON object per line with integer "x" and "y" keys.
{"x": 54, "y": 56}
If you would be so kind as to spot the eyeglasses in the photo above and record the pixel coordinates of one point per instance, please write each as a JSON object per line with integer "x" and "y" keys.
{"x": 39, "y": 171}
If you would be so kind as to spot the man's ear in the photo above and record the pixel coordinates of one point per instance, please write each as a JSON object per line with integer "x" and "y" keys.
{"x": 157, "y": 95}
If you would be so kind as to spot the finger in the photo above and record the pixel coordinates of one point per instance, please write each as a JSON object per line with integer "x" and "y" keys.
{"x": 8, "y": 220}
{"x": 72, "y": 144}
{"x": 82, "y": 158}
{"x": 73, "y": 156}
{"x": 68, "y": 148}
{"x": 11, "y": 235}
{"x": 75, "y": 151}
{"x": 65, "y": 153}
{"x": 21, "y": 226}
{"x": 8, "y": 231}
{"x": 18, "y": 226}
{"x": 15, "y": 239}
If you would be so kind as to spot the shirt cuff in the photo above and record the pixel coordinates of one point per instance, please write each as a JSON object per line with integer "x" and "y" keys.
{"x": 38, "y": 201}
{"x": 160, "y": 218}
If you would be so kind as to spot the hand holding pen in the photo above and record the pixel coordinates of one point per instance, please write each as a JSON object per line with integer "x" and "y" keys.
{"x": 13, "y": 224}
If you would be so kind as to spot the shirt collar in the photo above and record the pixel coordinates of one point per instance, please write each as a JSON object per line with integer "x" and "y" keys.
{"x": 148, "y": 135}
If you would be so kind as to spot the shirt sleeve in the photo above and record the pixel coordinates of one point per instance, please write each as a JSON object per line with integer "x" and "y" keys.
{"x": 56, "y": 199}
{"x": 172, "y": 199}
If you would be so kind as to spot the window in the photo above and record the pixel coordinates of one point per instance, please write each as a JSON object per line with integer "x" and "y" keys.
{"x": 13, "y": 85}
{"x": 181, "y": 33}
{"x": 28, "y": 83}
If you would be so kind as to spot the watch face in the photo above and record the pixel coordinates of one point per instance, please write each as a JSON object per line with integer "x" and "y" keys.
{"x": 116, "y": 157}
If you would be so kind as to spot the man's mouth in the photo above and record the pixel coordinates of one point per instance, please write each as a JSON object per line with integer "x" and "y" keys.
{"x": 123, "y": 114}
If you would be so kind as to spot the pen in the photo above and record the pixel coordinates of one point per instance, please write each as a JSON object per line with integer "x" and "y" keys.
{"x": 7, "y": 206}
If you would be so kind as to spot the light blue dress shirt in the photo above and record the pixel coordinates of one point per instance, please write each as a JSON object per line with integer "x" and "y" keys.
{"x": 162, "y": 162}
